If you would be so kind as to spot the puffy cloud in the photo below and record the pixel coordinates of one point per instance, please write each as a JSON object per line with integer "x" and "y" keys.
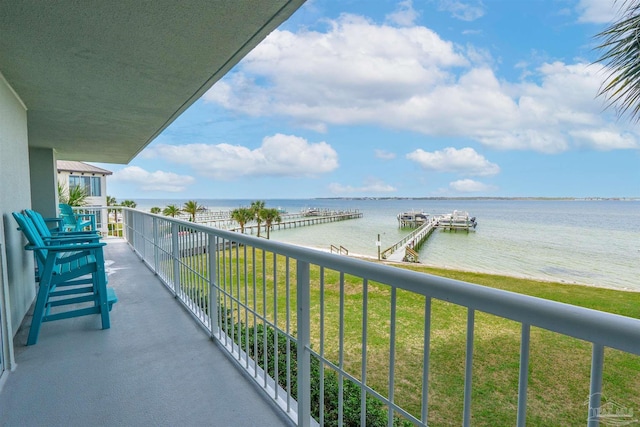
{"x": 596, "y": 11}
{"x": 409, "y": 78}
{"x": 384, "y": 155}
{"x": 405, "y": 15}
{"x": 465, "y": 160}
{"x": 279, "y": 155}
{"x": 606, "y": 140}
{"x": 463, "y": 10}
{"x": 469, "y": 186}
{"x": 153, "y": 181}
{"x": 349, "y": 74}
{"x": 371, "y": 186}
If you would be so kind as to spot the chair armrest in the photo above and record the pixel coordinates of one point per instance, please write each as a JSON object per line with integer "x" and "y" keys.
{"x": 58, "y": 220}
{"x": 57, "y": 240}
{"x": 87, "y": 217}
{"x": 67, "y": 248}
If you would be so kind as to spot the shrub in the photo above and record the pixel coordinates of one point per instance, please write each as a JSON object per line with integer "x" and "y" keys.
{"x": 376, "y": 412}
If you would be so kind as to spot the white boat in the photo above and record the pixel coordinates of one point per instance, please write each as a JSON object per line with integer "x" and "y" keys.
{"x": 311, "y": 212}
{"x": 412, "y": 218}
{"x": 457, "y": 219}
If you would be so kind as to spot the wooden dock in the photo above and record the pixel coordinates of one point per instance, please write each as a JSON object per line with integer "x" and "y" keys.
{"x": 406, "y": 249}
{"x": 302, "y": 220}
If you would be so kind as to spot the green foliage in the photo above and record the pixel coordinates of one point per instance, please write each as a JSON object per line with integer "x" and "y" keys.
{"x": 255, "y": 336}
{"x": 621, "y": 46}
{"x": 242, "y": 216}
{"x": 559, "y": 365}
{"x": 75, "y": 196}
{"x": 270, "y": 216}
{"x": 129, "y": 204}
{"x": 192, "y": 208}
{"x": 257, "y": 207}
{"x": 155, "y": 210}
{"x": 171, "y": 210}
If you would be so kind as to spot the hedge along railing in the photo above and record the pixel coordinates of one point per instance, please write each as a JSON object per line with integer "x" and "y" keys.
{"x": 229, "y": 281}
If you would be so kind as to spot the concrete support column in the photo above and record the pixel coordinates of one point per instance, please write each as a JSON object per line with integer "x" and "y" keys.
{"x": 44, "y": 181}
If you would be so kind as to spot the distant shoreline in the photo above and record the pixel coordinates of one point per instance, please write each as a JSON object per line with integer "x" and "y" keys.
{"x": 570, "y": 199}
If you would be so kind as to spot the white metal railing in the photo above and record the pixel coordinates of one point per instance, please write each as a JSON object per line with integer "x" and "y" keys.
{"x": 108, "y": 218}
{"x": 254, "y": 295}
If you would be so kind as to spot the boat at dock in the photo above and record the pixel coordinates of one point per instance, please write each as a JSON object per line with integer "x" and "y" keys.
{"x": 457, "y": 220}
{"x": 311, "y": 212}
{"x": 412, "y": 219}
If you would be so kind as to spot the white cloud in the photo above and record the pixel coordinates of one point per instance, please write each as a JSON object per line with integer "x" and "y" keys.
{"x": 604, "y": 140}
{"x": 153, "y": 181}
{"x": 358, "y": 72}
{"x": 597, "y": 11}
{"x": 348, "y": 75}
{"x": 469, "y": 10}
{"x": 371, "y": 186}
{"x": 279, "y": 155}
{"x": 469, "y": 186}
{"x": 384, "y": 155}
{"x": 465, "y": 160}
{"x": 404, "y": 16}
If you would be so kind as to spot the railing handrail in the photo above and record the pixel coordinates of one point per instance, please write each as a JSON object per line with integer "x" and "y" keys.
{"x": 608, "y": 329}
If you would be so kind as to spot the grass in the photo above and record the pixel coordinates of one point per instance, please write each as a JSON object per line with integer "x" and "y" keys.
{"x": 559, "y": 365}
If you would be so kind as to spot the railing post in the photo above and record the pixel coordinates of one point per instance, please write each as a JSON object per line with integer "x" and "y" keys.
{"x": 595, "y": 388}
{"x": 175, "y": 253}
{"x": 155, "y": 243}
{"x": 212, "y": 250}
{"x": 143, "y": 234}
{"x": 523, "y": 381}
{"x": 468, "y": 368}
{"x": 304, "y": 336}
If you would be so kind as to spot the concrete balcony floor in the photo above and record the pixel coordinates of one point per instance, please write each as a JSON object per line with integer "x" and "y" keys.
{"x": 154, "y": 367}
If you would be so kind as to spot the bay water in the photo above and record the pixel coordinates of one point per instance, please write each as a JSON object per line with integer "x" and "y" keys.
{"x": 591, "y": 242}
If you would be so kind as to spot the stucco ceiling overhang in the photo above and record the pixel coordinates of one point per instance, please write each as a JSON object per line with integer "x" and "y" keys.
{"x": 101, "y": 79}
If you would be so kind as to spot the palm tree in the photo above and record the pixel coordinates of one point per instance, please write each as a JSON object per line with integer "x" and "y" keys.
{"x": 621, "y": 46}
{"x": 171, "y": 210}
{"x": 111, "y": 201}
{"x": 270, "y": 216}
{"x": 129, "y": 204}
{"x": 242, "y": 216}
{"x": 76, "y": 196}
{"x": 192, "y": 208}
{"x": 257, "y": 207}
{"x": 155, "y": 210}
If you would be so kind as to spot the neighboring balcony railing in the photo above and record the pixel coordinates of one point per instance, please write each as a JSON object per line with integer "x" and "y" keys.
{"x": 304, "y": 323}
{"x": 108, "y": 218}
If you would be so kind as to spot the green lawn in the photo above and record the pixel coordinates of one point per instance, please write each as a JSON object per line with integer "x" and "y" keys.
{"x": 559, "y": 366}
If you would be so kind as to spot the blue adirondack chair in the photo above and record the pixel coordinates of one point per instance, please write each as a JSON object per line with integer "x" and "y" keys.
{"x": 50, "y": 236}
{"x": 40, "y": 224}
{"x": 73, "y": 221}
{"x": 73, "y": 280}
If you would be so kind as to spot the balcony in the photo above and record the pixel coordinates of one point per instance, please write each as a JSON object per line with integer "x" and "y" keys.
{"x": 153, "y": 367}
{"x": 158, "y": 363}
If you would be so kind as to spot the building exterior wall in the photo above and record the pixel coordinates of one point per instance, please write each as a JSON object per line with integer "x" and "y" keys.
{"x": 91, "y": 201}
{"x": 44, "y": 193}
{"x": 63, "y": 179}
{"x": 15, "y": 195}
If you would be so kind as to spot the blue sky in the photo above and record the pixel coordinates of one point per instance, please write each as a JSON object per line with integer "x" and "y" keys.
{"x": 421, "y": 98}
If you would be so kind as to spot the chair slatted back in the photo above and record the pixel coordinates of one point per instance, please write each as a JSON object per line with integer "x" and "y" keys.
{"x": 32, "y": 235}
{"x": 38, "y": 222}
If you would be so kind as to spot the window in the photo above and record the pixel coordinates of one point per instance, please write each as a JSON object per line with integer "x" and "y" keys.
{"x": 91, "y": 184}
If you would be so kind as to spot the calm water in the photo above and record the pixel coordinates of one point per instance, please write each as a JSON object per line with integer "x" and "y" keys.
{"x": 589, "y": 242}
